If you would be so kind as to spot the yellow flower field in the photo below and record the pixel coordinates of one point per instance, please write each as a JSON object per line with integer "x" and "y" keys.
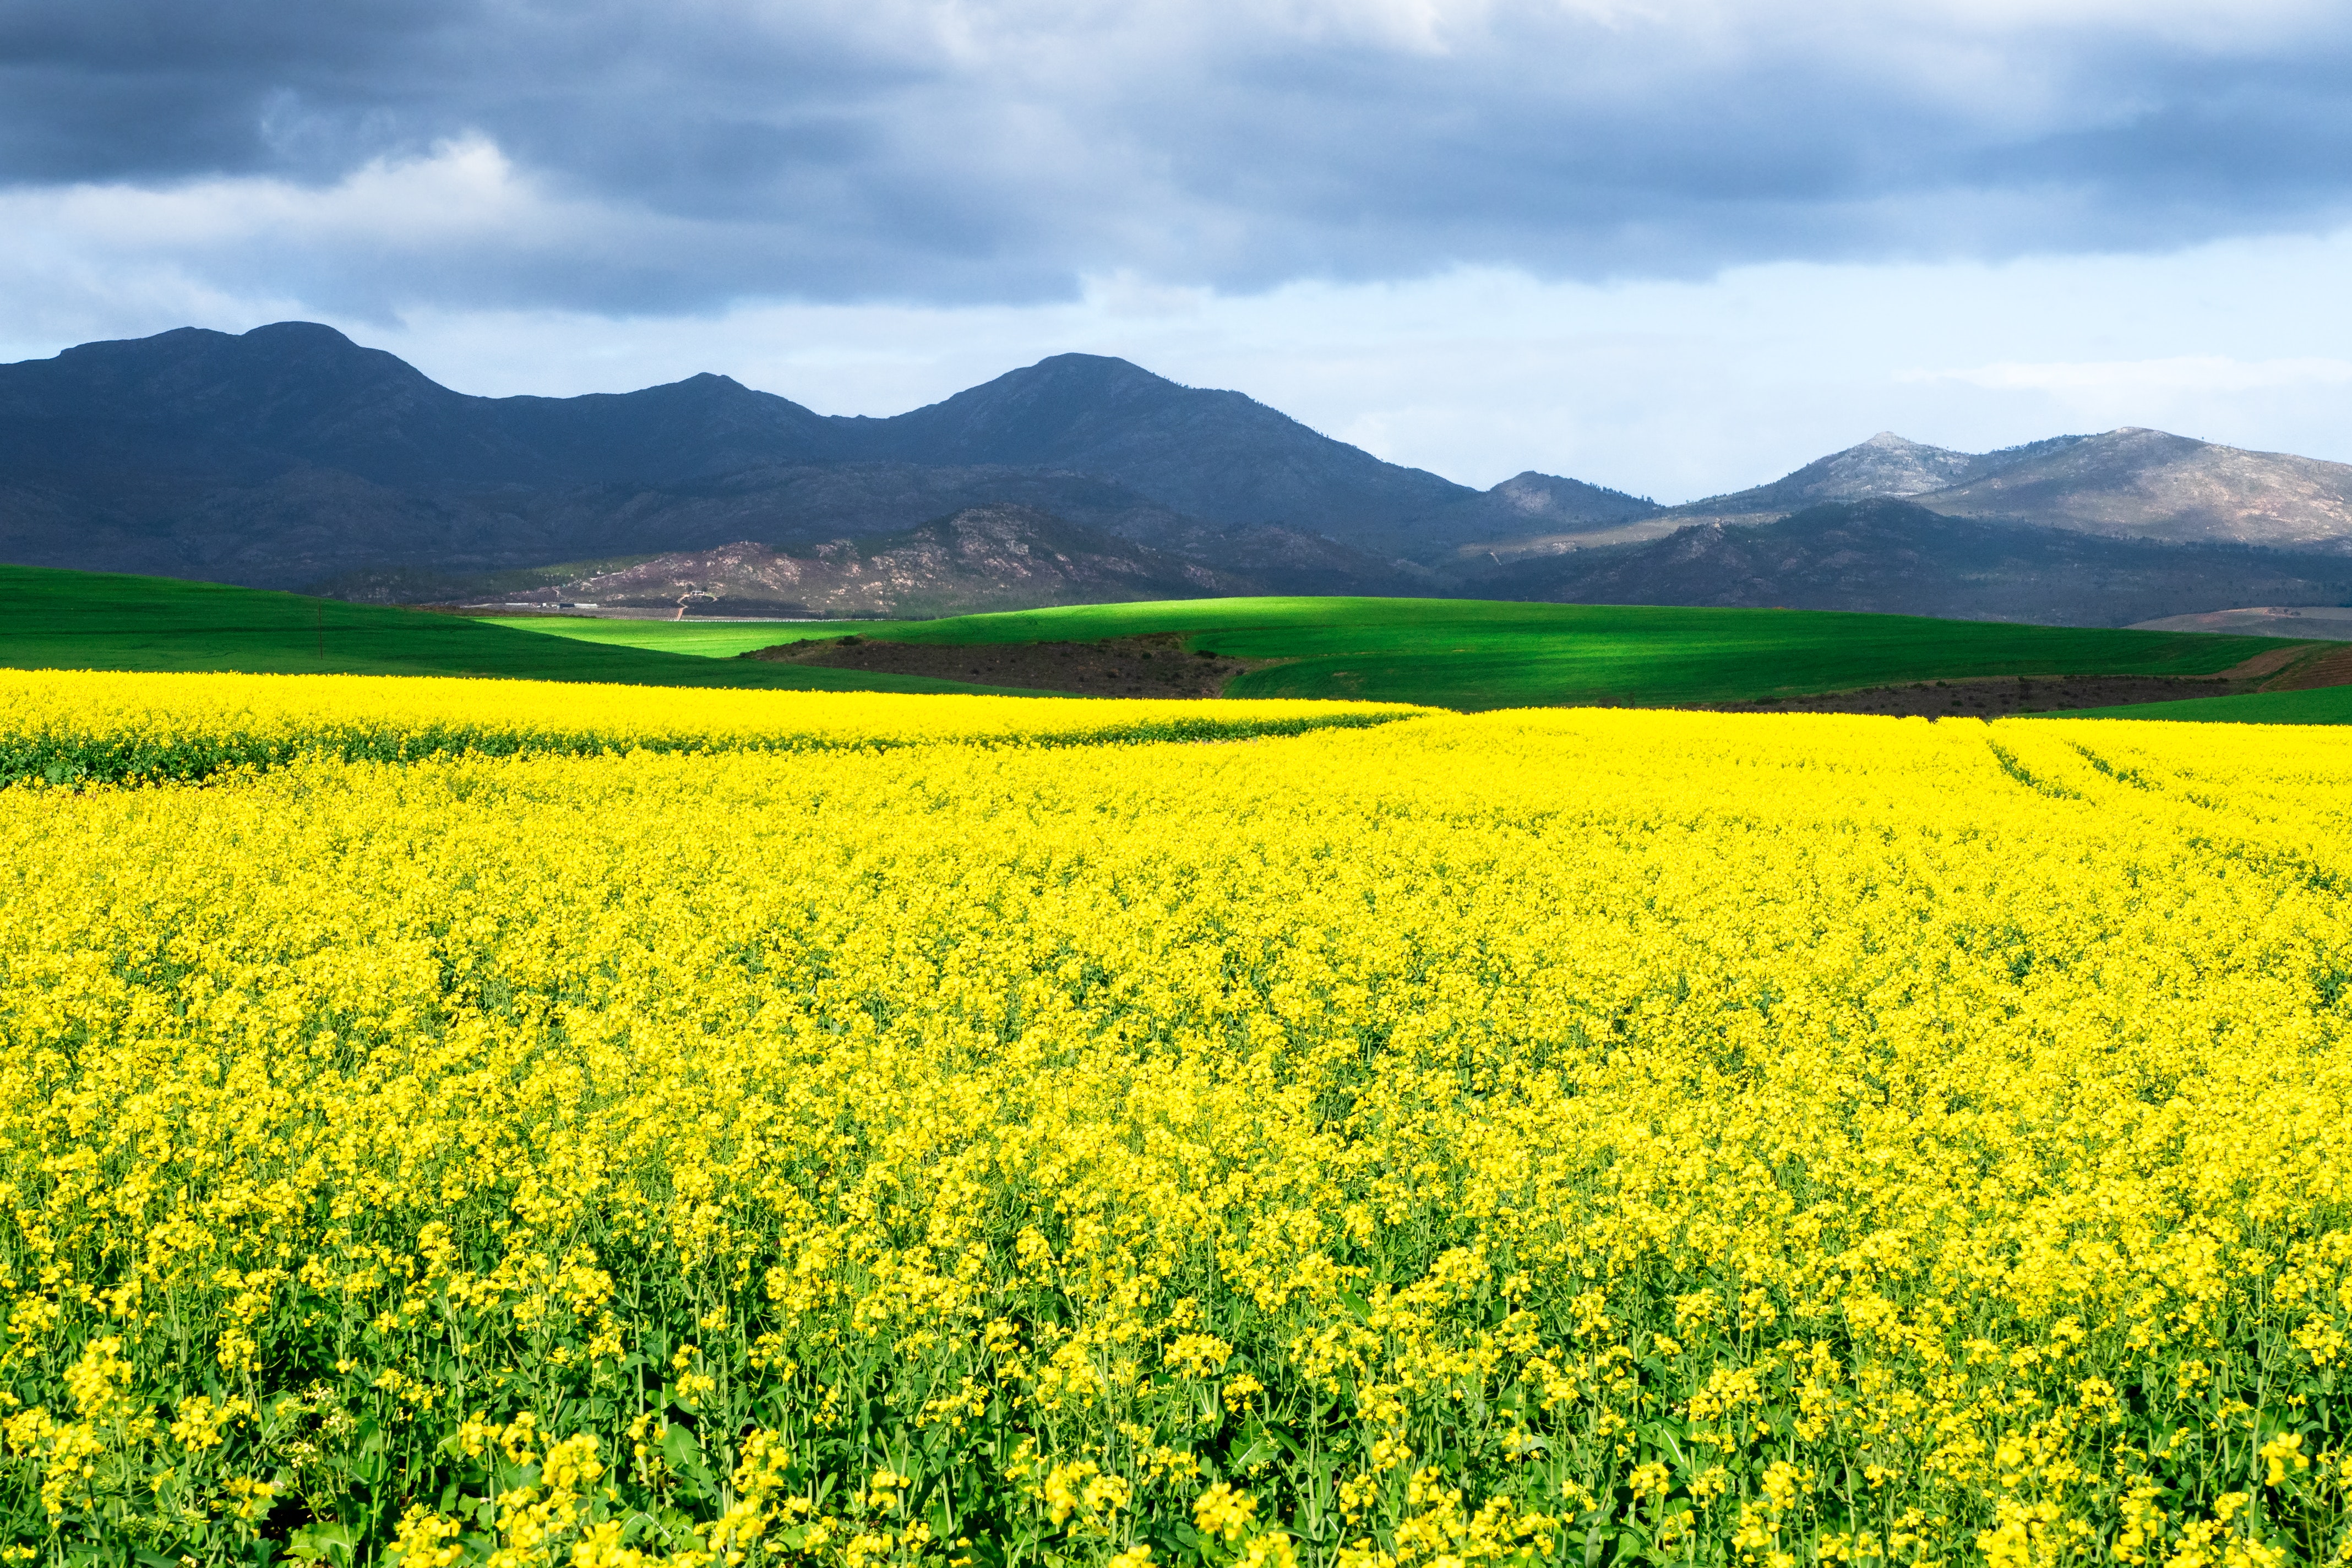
{"x": 70, "y": 726}
{"x": 1583, "y": 1137}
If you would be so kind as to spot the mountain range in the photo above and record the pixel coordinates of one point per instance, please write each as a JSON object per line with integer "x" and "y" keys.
{"x": 1896, "y": 557}
{"x": 290, "y": 457}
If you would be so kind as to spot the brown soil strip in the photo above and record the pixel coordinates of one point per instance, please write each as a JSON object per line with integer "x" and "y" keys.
{"x": 1116, "y": 666}
{"x": 2329, "y": 667}
{"x": 2269, "y": 661}
{"x": 2294, "y": 669}
{"x": 1992, "y": 697}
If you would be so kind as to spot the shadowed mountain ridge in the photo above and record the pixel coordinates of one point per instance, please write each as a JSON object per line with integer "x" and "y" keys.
{"x": 1217, "y": 455}
{"x": 296, "y": 392}
{"x": 290, "y": 455}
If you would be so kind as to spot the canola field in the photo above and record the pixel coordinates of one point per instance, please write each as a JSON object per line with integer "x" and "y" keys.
{"x": 1564, "y": 1137}
{"x": 72, "y": 727}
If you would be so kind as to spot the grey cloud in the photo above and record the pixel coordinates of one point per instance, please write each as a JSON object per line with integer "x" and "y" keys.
{"x": 856, "y": 151}
{"x": 149, "y": 88}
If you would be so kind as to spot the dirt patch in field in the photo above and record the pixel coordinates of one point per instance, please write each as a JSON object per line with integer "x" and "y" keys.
{"x": 2274, "y": 669}
{"x": 2331, "y": 667}
{"x": 1116, "y": 666}
{"x": 1992, "y": 698}
{"x": 2269, "y": 661}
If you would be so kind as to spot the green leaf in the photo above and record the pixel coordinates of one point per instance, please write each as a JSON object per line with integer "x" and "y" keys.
{"x": 324, "y": 1542}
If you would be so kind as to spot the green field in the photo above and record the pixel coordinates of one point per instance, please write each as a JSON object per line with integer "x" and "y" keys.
{"x": 2322, "y": 705}
{"x": 1453, "y": 653}
{"x": 88, "y": 620}
{"x": 704, "y": 639}
{"x": 1477, "y": 654}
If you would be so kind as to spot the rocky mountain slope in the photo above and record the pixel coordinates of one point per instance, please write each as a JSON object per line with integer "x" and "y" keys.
{"x": 2126, "y": 483}
{"x": 979, "y": 558}
{"x": 1897, "y": 557}
{"x": 2147, "y": 484}
{"x": 1887, "y": 466}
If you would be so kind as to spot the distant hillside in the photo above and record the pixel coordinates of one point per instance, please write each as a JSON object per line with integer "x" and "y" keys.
{"x": 2128, "y": 483}
{"x": 291, "y": 455}
{"x": 1526, "y": 511}
{"x": 1899, "y": 558}
{"x": 1884, "y": 467}
{"x": 980, "y": 559}
{"x": 2147, "y": 484}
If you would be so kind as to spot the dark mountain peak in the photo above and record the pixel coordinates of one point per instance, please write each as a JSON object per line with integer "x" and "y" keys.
{"x": 1213, "y": 454}
{"x": 135, "y": 377}
{"x": 311, "y": 335}
{"x": 697, "y": 429}
{"x": 721, "y": 398}
{"x": 1548, "y": 497}
{"x": 314, "y": 360}
{"x": 1528, "y": 505}
{"x": 1073, "y": 386}
{"x": 1092, "y": 370}
{"x": 286, "y": 394}
{"x": 702, "y": 392}
{"x": 180, "y": 344}
{"x": 177, "y": 343}
{"x": 1053, "y": 411}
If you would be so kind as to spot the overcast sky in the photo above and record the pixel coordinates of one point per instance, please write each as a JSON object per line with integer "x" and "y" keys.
{"x": 1675, "y": 246}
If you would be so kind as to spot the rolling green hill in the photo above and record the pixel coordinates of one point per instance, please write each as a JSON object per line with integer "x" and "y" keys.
{"x": 704, "y": 639}
{"x": 93, "y": 620}
{"x": 1477, "y": 654}
{"x": 2323, "y": 705}
{"x": 1467, "y": 654}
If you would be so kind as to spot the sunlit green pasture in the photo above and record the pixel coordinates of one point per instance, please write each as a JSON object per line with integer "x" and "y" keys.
{"x": 1480, "y": 654}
